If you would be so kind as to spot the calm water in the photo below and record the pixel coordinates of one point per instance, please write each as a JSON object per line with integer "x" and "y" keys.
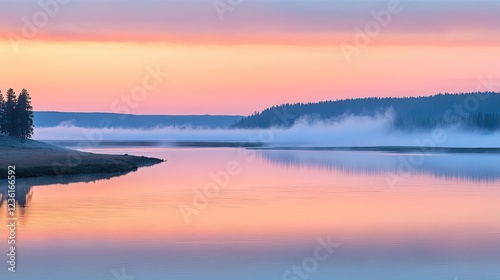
{"x": 435, "y": 218}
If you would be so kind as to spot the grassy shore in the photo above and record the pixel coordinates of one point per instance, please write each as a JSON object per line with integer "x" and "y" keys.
{"x": 37, "y": 159}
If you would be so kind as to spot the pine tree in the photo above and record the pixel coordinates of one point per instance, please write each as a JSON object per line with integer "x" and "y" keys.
{"x": 10, "y": 112}
{"x": 3, "y": 118}
{"x": 24, "y": 115}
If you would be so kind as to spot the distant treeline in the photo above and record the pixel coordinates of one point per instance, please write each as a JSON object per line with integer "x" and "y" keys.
{"x": 478, "y": 110}
{"x": 112, "y": 120}
{"x": 16, "y": 114}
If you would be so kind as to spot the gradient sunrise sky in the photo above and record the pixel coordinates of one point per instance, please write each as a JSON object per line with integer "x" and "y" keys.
{"x": 90, "y": 53}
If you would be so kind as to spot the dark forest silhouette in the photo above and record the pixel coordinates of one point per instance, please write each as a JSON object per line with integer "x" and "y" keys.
{"x": 479, "y": 110}
{"x": 16, "y": 114}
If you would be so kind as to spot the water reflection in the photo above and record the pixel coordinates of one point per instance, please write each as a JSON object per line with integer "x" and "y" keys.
{"x": 23, "y": 196}
{"x": 267, "y": 219}
{"x": 469, "y": 167}
{"x": 24, "y": 188}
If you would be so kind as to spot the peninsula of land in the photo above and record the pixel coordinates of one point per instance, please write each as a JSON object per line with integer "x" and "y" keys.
{"x": 38, "y": 159}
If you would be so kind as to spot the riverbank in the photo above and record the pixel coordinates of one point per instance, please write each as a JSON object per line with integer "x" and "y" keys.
{"x": 37, "y": 159}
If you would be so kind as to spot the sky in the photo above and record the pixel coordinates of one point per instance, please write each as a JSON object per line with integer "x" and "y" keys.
{"x": 241, "y": 56}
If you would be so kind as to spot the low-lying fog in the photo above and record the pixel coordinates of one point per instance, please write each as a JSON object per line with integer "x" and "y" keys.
{"x": 349, "y": 131}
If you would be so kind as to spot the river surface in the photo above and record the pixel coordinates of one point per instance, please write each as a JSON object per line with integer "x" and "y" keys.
{"x": 232, "y": 213}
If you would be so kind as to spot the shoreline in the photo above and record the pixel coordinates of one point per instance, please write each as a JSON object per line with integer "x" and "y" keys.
{"x": 280, "y": 146}
{"x": 38, "y": 159}
{"x": 392, "y": 149}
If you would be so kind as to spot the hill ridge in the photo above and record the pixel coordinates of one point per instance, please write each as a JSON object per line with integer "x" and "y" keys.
{"x": 475, "y": 110}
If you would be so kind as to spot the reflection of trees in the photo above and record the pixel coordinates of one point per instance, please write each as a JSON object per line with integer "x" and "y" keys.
{"x": 467, "y": 167}
{"x": 22, "y": 200}
{"x": 24, "y": 188}
{"x": 24, "y": 195}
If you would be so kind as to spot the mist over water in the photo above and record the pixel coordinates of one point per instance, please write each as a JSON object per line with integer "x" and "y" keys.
{"x": 350, "y": 131}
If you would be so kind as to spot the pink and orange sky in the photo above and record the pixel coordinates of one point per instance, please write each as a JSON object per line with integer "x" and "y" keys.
{"x": 84, "y": 55}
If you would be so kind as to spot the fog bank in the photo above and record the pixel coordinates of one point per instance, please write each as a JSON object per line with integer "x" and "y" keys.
{"x": 350, "y": 131}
